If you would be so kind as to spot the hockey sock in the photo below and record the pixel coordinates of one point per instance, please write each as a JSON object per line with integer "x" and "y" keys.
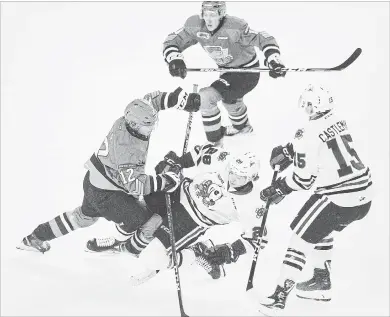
{"x": 137, "y": 242}
{"x": 55, "y": 228}
{"x": 323, "y": 251}
{"x": 212, "y": 124}
{"x": 238, "y": 115}
{"x": 294, "y": 259}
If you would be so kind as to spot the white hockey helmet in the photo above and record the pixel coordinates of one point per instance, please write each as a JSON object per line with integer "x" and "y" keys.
{"x": 141, "y": 116}
{"x": 243, "y": 169}
{"x": 315, "y": 99}
{"x": 218, "y": 6}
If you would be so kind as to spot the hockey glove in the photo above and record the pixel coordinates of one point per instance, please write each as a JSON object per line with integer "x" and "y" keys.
{"x": 224, "y": 253}
{"x": 168, "y": 182}
{"x": 177, "y": 66}
{"x": 276, "y": 192}
{"x": 170, "y": 160}
{"x": 181, "y": 100}
{"x": 282, "y": 156}
{"x": 275, "y": 65}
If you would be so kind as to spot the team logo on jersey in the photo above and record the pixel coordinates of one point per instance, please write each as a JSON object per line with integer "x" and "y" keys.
{"x": 299, "y": 134}
{"x": 259, "y": 212}
{"x": 209, "y": 191}
{"x": 220, "y": 55}
{"x": 203, "y": 35}
{"x": 222, "y": 156}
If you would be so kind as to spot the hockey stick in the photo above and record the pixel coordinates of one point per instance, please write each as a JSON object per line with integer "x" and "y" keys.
{"x": 249, "y": 284}
{"x": 342, "y": 66}
{"x": 170, "y": 221}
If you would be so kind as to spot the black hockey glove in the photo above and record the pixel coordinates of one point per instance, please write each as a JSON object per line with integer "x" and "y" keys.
{"x": 178, "y": 68}
{"x": 181, "y": 100}
{"x": 224, "y": 253}
{"x": 282, "y": 156}
{"x": 171, "y": 160}
{"x": 275, "y": 65}
{"x": 276, "y": 192}
{"x": 168, "y": 182}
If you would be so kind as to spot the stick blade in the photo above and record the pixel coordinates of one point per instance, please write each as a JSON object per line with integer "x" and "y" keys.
{"x": 349, "y": 60}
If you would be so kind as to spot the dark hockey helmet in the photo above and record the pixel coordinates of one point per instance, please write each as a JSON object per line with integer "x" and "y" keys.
{"x": 218, "y": 6}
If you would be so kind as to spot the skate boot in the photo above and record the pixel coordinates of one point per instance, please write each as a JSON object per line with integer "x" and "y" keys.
{"x": 32, "y": 243}
{"x": 271, "y": 305}
{"x": 215, "y": 271}
{"x": 231, "y": 130}
{"x": 104, "y": 245}
{"x": 318, "y": 287}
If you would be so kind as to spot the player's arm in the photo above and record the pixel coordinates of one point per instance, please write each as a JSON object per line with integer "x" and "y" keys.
{"x": 303, "y": 174}
{"x": 138, "y": 183}
{"x": 206, "y": 154}
{"x": 176, "y": 43}
{"x": 178, "y": 99}
{"x": 267, "y": 44}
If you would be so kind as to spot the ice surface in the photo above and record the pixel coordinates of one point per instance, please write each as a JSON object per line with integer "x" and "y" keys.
{"x": 69, "y": 69}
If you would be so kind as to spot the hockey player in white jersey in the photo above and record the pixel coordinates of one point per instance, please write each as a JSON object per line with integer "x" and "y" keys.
{"x": 218, "y": 195}
{"x": 325, "y": 159}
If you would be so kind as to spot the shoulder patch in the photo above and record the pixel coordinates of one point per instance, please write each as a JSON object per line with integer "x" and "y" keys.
{"x": 222, "y": 156}
{"x": 265, "y": 34}
{"x": 299, "y": 134}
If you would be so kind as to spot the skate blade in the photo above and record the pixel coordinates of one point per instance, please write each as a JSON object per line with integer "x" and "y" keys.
{"x": 266, "y": 311}
{"x": 143, "y": 277}
{"x": 322, "y": 299}
{"x": 24, "y": 247}
{"x": 106, "y": 252}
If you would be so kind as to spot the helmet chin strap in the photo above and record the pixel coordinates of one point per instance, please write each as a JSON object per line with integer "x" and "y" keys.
{"x": 243, "y": 190}
{"x": 136, "y": 134}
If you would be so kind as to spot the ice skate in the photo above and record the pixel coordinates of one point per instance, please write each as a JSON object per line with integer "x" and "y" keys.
{"x": 32, "y": 243}
{"x": 318, "y": 287}
{"x": 272, "y": 305}
{"x": 231, "y": 130}
{"x": 215, "y": 271}
{"x": 104, "y": 245}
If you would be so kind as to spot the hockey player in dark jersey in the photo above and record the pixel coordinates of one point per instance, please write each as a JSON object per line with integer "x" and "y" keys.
{"x": 230, "y": 43}
{"x": 116, "y": 175}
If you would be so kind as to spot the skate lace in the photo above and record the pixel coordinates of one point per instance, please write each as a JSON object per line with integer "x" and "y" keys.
{"x": 202, "y": 262}
{"x": 105, "y": 242}
{"x": 231, "y": 130}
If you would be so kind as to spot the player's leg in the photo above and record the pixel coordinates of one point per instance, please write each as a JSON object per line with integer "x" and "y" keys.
{"x": 211, "y": 115}
{"x": 134, "y": 224}
{"x": 158, "y": 254}
{"x": 233, "y": 87}
{"x": 334, "y": 217}
{"x": 313, "y": 223}
{"x": 80, "y": 217}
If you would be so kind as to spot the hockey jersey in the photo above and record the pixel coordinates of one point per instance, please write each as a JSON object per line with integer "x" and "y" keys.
{"x": 208, "y": 198}
{"x": 325, "y": 156}
{"x": 119, "y": 163}
{"x": 230, "y": 45}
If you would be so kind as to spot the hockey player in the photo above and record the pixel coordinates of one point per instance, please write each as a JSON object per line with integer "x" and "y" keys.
{"x": 216, "y": 197}
{"x": 230, "y": 43}
{"x": 323, "y": 155}
{"x": 116, "y": 174}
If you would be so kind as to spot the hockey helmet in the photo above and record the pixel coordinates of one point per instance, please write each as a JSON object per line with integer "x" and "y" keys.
{"x": 218, "y": 6}
{"x": 141, "y": 116}
{"x": 243, "y": 169}
{"x": 315, "y": 99}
